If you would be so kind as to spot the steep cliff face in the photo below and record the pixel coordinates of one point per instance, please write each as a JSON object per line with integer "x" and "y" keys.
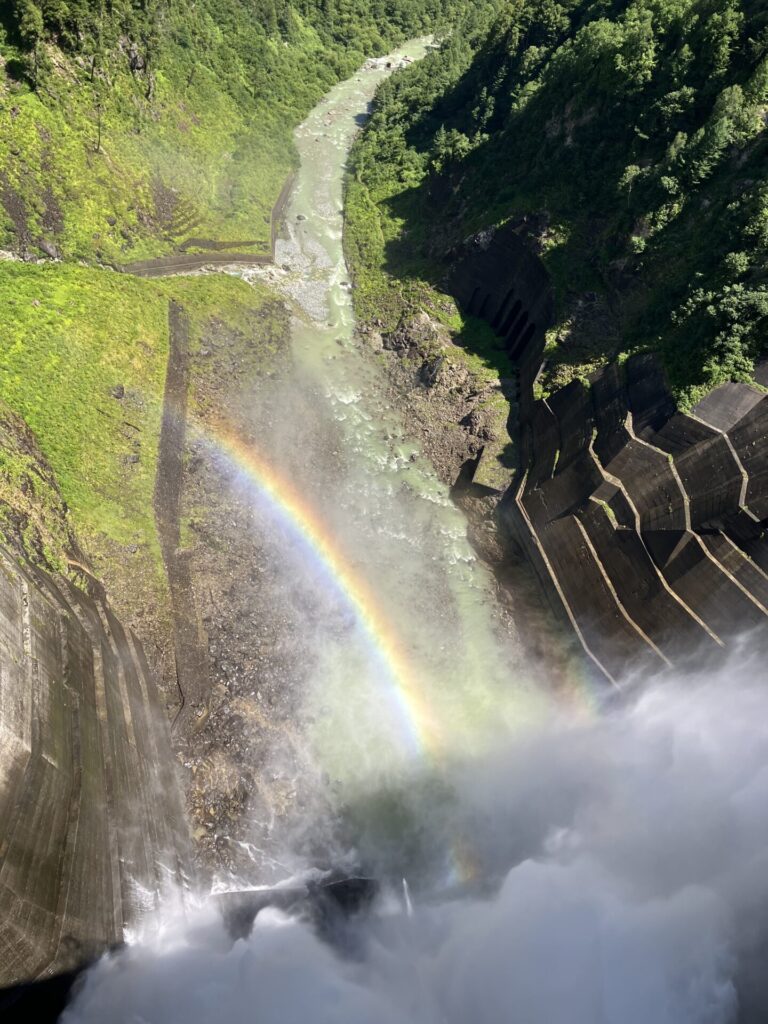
{"x": 646, "y": 525}
{"x": 91, "y": 823}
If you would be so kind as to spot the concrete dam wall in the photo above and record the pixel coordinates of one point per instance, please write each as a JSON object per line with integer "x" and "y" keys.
{"x": 500, "y": 280}
{"x": 646, "y": 526}
{"x": 91, "y": 824}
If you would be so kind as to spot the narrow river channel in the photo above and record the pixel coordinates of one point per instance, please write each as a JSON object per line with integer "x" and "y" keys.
{"x": 413, "y": 666}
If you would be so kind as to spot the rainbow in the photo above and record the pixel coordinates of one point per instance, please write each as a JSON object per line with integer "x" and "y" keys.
{"x": 423, "y": 732}
{"x": 421, "y": 729}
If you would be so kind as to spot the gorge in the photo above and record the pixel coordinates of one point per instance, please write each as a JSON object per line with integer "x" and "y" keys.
{"x": 371, "y": 648}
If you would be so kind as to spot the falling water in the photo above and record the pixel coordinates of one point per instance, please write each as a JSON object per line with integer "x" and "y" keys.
{"x": 433, "y": 674}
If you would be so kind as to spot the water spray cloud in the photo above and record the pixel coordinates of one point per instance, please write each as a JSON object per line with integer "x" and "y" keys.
{"x": 635, "y": 858}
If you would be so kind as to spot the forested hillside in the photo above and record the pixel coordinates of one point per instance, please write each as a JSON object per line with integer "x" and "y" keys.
{"x": 626, "y": 139}
{"x": 129, "y": 128}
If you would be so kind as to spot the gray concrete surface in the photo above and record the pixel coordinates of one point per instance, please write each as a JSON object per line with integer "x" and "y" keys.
{"x": 92, "y": 830}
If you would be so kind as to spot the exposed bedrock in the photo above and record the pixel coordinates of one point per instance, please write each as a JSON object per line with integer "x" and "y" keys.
{"x": 647, "y": 526}
{"x": 91, "y": 823}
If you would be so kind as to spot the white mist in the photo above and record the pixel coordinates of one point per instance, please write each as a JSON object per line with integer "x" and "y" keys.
{"x": 632, "y": 858}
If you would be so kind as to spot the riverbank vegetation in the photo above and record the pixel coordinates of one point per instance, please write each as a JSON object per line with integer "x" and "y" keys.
{"x": 627, "y": 141}
{"x": 128, "y": 130}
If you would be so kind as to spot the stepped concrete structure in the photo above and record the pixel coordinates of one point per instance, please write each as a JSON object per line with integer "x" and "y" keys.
{"x": 646, "y": 526}
{"x": 498, "y": 279}
{"x": 92, "y": 830}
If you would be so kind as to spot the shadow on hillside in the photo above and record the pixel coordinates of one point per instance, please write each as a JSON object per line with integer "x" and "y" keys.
{"x": 477, "y": 338}
{"x": 423, "y": 253}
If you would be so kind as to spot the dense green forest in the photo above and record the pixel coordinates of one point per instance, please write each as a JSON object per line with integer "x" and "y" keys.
{"x": 127, "y": 128}
{"x": 628, "y": 140}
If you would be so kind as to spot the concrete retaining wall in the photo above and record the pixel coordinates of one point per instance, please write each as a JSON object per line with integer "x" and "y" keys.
{"x": 661, "y": 508}
{"x": 647, "y": 526}
{"x": 91, "y": 823}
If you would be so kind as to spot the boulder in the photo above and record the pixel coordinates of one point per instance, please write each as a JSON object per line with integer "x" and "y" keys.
{"x": 47, "y": 247}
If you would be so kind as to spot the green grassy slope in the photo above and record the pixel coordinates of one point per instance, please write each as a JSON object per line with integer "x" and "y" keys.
{"x": 126, "y": 130}
{"x": 630, "y": 135}
{"x": 33, "y": 516}
{"x": 83, "y": 363}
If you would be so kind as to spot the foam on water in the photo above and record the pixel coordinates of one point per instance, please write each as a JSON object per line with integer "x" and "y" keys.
{"x": 629, "y": 857}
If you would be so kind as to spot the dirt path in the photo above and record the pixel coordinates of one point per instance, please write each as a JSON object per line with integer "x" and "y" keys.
{"x": 183, "y": 262}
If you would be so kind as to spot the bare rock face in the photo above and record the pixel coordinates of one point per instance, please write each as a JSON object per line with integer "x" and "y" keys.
{"x": 136, "y": 59}
{"x": 477, "y": 425}
{"x": 48, "y": 248}
{"x": 435, "y": 387}
{"x": 431, "y": 370}
{"x": 418, "y": 333}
